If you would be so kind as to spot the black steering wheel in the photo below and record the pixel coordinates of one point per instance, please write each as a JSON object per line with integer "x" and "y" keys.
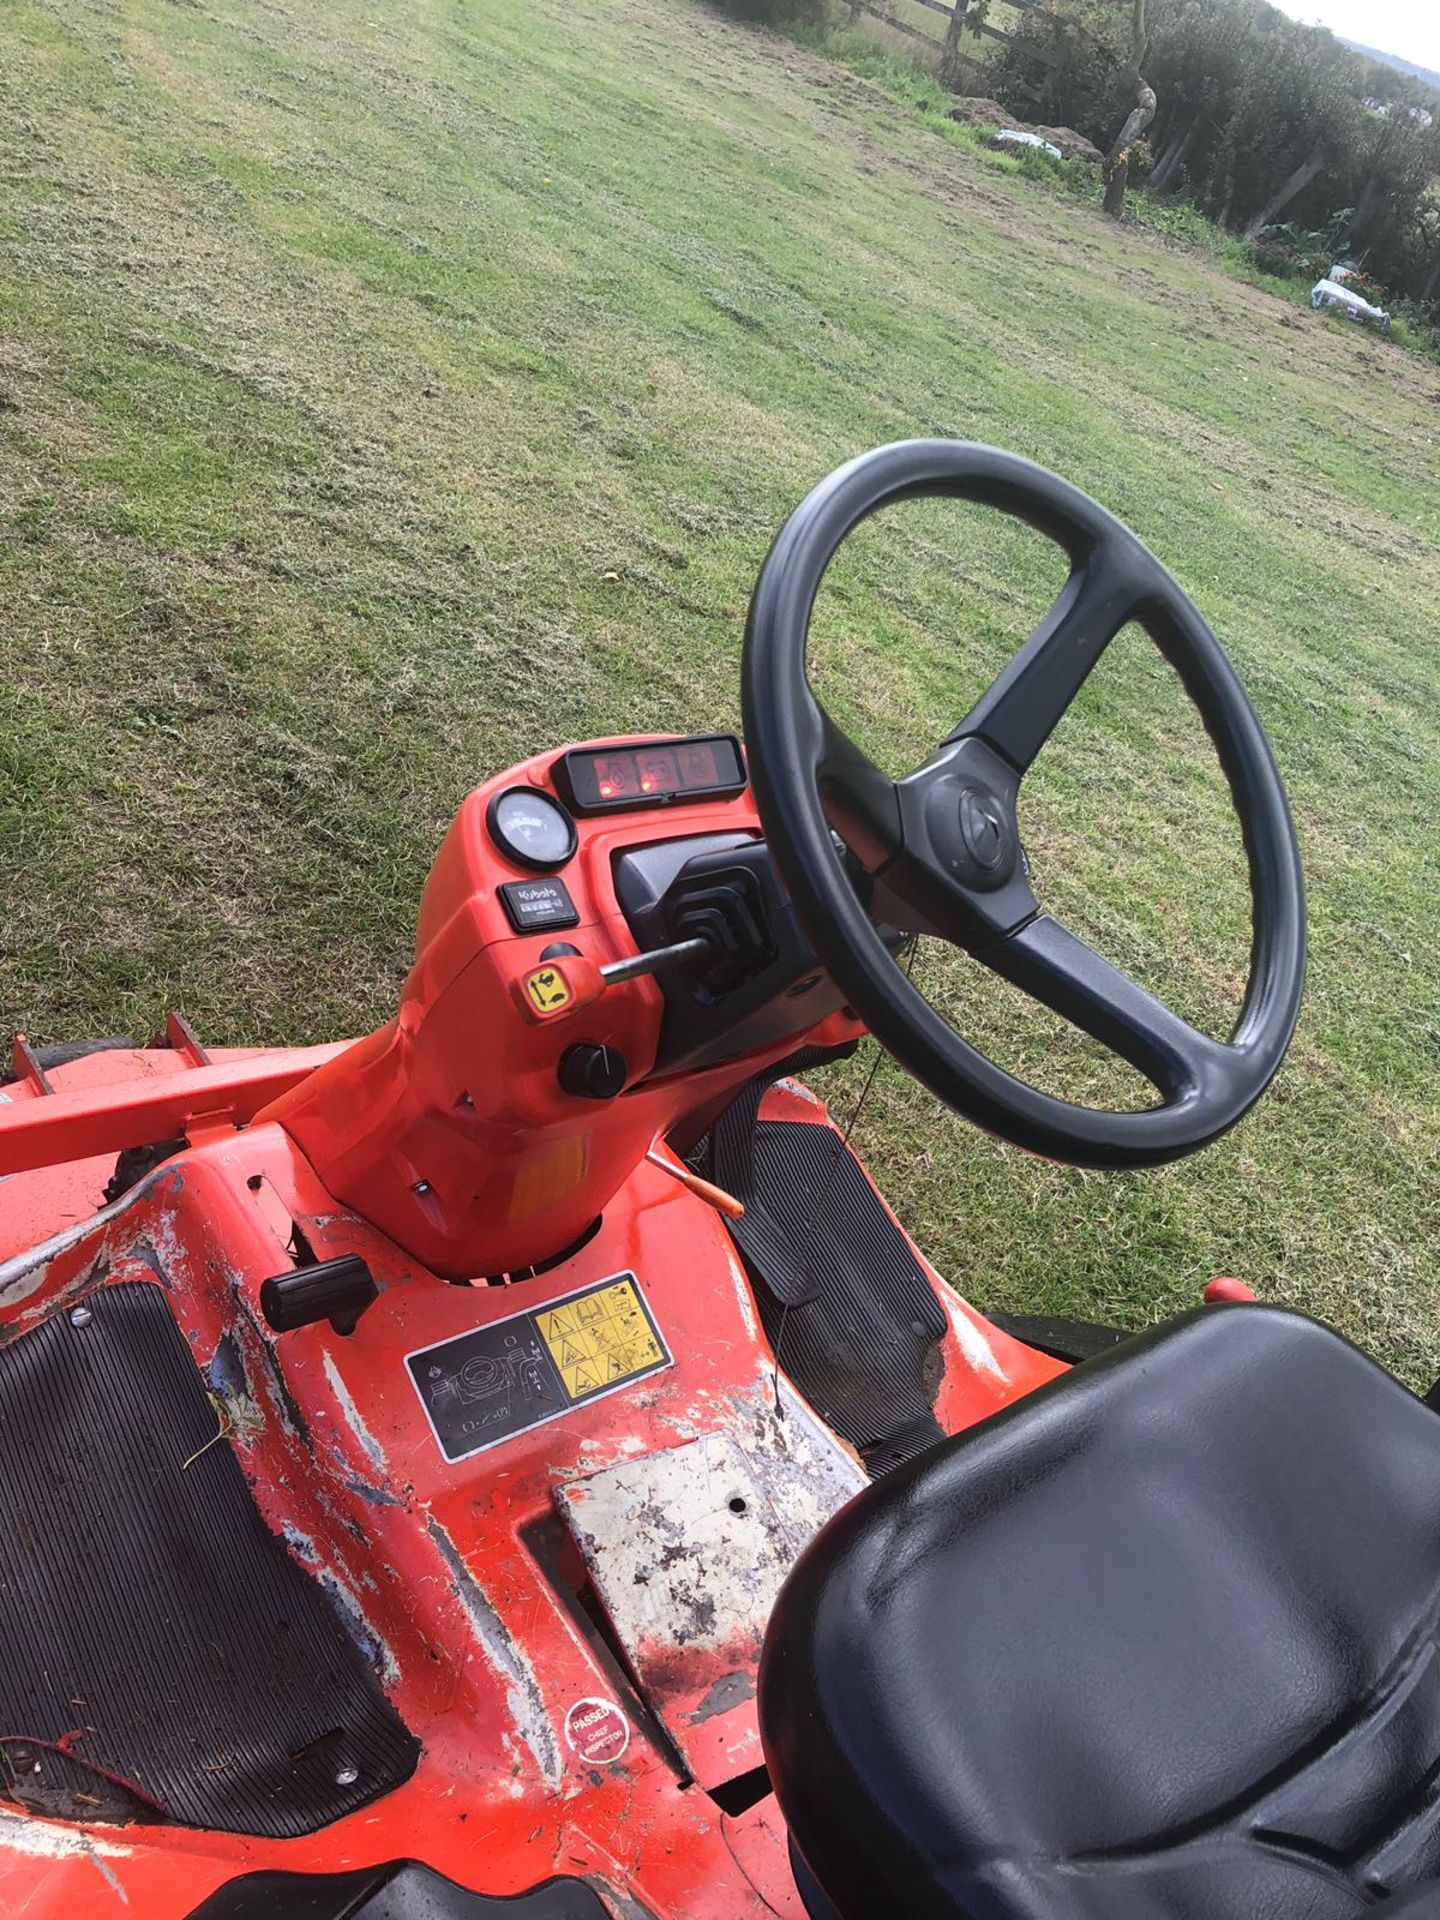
{"x": 940, "y": 850}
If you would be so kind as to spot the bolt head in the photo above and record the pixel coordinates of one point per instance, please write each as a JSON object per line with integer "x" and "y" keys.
{"x": 347, "y": 1775}
{"x": 80, "y": 1316}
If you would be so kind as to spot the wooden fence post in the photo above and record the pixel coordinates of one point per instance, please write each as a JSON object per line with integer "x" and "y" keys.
{"x": 950, "y": 62}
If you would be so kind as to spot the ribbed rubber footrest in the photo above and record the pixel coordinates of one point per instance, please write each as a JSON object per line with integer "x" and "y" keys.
{"x": 852, "y": 1314}
{"x": 162, "y": 1657}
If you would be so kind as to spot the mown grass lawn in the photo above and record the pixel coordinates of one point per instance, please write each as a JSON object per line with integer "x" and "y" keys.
{"x": 387, "y": 392}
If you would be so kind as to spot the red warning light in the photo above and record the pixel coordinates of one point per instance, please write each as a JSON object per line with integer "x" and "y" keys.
{"x": 615, "y": 776}
{"x": 657, "y": 773}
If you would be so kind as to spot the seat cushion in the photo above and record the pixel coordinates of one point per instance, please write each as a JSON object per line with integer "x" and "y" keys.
{"x": 1158, "y": 1641}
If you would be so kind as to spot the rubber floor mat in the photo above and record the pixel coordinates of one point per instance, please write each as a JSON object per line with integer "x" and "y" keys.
{"x": 843, "y": 1300}
{"x": 161, "y": 1655}
{"x": 399, "y": 1890}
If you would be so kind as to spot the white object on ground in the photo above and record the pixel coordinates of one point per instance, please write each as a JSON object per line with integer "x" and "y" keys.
{"x": 1330, "y": 293}
{"x": 1017, "y": 137}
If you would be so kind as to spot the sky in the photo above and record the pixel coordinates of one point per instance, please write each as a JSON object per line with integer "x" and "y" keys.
{"x": 1407, "y": 27}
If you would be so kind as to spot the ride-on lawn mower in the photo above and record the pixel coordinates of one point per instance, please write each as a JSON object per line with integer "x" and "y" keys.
{"x": 517, "y": 1465}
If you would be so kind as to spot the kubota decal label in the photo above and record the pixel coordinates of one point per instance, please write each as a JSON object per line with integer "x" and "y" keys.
{"x": 492, "y": 1382}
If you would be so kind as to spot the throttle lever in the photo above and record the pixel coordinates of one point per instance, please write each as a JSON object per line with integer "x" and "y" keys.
{"x": 563, "y": 985}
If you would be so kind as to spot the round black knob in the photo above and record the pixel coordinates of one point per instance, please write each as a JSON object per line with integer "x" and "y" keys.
{"x": 591, "y": 1072}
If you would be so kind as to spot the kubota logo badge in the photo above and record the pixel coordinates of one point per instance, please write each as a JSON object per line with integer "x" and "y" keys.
{"x": 982, "y": 828}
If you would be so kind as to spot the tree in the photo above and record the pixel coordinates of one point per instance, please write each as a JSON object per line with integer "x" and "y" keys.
{"x": 1117, "y": 161}
{"x": 1290, "y": 121}
{"x": 1198, "y": 56}
{"x": 1257, "y": 119}
{"x": 1063, "y": 64}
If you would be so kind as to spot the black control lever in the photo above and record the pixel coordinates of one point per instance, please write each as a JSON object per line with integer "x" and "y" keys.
{"x": 722, "y": 906}
{"x": 639, "y": 964}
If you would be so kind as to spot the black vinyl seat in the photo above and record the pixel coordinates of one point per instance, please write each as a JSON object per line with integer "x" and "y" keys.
{"x": 1157, "y": 1643}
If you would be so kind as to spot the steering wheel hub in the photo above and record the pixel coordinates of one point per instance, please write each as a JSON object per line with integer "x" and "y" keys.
{"x": 988, "y": 837}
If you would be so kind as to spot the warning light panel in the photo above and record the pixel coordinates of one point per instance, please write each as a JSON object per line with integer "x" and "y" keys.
{"x": 659, "y": 773}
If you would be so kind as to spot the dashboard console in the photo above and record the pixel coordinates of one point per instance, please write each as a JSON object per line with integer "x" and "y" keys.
{"x": 544, "y": 1042}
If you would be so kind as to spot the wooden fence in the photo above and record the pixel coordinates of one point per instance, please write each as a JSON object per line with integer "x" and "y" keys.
{"x": 961, "y": 17}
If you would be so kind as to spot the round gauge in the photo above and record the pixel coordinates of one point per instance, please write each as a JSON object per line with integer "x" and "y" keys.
{"x": 531, "y": 828}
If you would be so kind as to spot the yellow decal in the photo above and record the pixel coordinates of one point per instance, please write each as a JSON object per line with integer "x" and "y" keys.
{"x": 599, "y": 1340}
{"x": 547, "y": 989}
{"x": 548, "y": 1175}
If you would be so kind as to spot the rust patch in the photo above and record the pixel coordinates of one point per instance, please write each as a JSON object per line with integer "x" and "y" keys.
{"x": 731, "y": 1690}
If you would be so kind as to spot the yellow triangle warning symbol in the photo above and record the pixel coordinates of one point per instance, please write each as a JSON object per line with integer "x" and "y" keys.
{"x": 586, "y": 1378}
{"x": 572, "y": 1354}
{"x": 558, "y": 1323}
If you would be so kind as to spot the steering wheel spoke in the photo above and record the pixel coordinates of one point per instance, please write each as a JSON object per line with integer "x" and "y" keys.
{"x": 1024, "y": 704}
{"x": 1066, "y": 974}
{"x": 860, "y": 802}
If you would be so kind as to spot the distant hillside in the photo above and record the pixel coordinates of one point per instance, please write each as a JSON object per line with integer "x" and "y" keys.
{"x": 1426, "y": 74}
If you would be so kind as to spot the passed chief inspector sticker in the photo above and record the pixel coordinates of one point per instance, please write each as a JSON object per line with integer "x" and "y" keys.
{"x": 485, "y": 1385}
{"x": 597, "y": 1732}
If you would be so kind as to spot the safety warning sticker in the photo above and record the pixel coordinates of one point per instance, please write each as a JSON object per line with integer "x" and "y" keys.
{"x": 601, "y": 1338}
{"x": 490, "y": 1383}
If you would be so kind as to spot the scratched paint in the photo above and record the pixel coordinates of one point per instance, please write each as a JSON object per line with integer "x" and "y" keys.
{"x": 56, "y": 1301}
{"x": 353, "y": 1420}
{"x": 166, "y": 1233}
{"x": 977, "y": 1350}
{"x": 688, "y": 1548}
{"x": 110, "y": 1877}
{"x": 526, "y": 1702}
{"x": 488, "y": 1737}
{"x": 745, "y": 1299}
{"x": 352, "y": 1617}
{"x": 32, "y": 1835}
{"x": 730, "y": 1690}
{"x": 372, "y": 1496}
{"x": 24, "y": 1281}
{"x": 27, "y": 1274}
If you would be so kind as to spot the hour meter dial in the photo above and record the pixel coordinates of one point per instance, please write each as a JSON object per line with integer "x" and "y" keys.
{"x": 531, "y": 828}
